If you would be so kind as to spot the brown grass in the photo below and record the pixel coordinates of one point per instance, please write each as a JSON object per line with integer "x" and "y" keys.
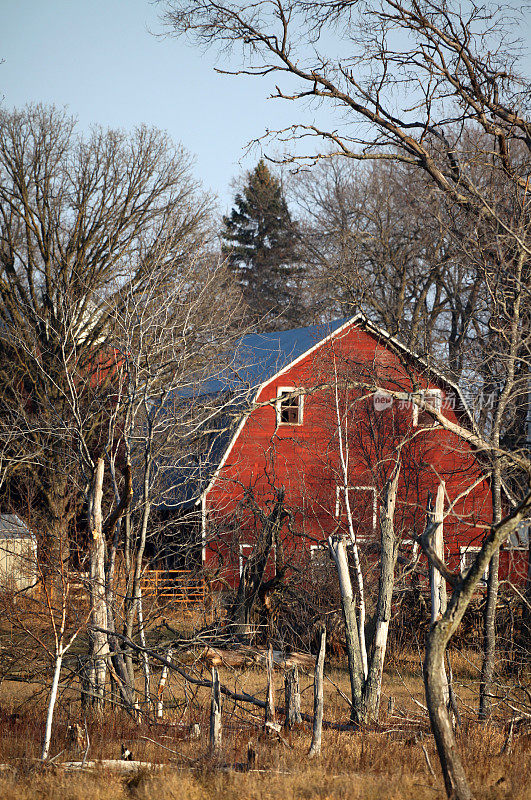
{"x": 389, "y": 763}
{"x": 367, "y": 766}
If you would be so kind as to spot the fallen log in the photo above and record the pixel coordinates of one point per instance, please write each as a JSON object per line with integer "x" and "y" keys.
{"x": 240, "y": 658}
{"x": 111, "y": 764}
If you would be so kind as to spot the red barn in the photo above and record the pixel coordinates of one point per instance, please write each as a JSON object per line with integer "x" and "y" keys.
{"x": 334, "y": 407}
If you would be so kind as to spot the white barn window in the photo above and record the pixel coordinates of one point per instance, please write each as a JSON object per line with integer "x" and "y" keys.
{"x": 363, "y": 508}
{"x": 245, "y": 551}
{"x": 289, "y": 406}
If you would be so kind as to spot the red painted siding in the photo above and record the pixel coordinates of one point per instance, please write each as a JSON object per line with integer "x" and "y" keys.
{"x": 304, "y": 459}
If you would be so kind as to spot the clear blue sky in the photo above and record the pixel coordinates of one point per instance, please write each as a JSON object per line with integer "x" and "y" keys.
{"x": 99, "y": 58}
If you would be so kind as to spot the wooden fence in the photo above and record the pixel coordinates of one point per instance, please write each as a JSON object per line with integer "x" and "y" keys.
{"x": 178, "y": 585}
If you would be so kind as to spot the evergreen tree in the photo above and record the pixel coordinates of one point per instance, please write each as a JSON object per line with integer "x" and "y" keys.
{"x": 260, "y": 241}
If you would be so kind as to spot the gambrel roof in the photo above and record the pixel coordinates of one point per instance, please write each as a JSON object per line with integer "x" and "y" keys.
{"x": 257, "y": 359}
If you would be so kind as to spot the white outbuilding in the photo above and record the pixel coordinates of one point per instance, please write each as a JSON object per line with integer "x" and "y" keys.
{"x": 18, "y": 554}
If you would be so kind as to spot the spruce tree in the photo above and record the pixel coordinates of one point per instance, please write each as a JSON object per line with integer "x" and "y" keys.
{"x": 260, "y": 241}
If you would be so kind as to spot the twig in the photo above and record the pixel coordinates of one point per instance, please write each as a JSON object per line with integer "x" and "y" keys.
{"x": 417, "y": 702}
{"x": 338, "y": 690}
{"x": 175, "y": 752}
{"x": 509, "y": 738}
{"x": 88, "y": 745}
{"x": 51, "y": 760}
{"x": 426, "y": 756}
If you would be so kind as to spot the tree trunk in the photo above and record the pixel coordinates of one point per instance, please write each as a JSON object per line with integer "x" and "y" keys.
{"x": 437, "y": 582}
{"x": 100, "y": 645}
{"x": 215, "y": 714}
{"x": 318, "y": 694}
{"x": 124, "y": 683}
{"x": 252, "y": 575}
{"x": 440, "y": 633}
{"x": 270, "y": 715}
{"x": 388, "y": 552}
{"x": 146, "y": 671}
{"x": 455, "y": 781}
{"x": 162, "y": 685}
{"x": 51, "y": 707}
{"x": 338, "y": 552}
{"x": 489, "y": 617}
{"x": 133, "y": 600}
{"x": 343, "y": 442}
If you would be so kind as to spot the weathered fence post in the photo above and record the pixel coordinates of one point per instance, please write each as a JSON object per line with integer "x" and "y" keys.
{"x": 292, "y": 698}
{"x": 315, "y": 748}
{"x": 270, "y": 699}
{"x": 215, "y": 713}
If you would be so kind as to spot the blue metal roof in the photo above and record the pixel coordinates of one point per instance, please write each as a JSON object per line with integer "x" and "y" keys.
{"x": 256, "y": 358}
{"x": 259, "y": 356}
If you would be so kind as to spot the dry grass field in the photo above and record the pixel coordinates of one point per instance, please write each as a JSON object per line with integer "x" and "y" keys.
{"x": 385, "y": 762}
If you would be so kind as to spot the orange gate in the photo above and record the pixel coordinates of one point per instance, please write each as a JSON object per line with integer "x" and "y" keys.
{"x": 179, "y": 585}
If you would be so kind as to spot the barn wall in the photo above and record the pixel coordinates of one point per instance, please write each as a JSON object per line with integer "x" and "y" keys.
{"x": 304, "y": 458}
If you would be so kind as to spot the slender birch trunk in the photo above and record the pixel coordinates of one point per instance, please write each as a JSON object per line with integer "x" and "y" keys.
{"x": 123, "y": 678}
{"x": 318, "y": 695}
{"x": 437, "y": 581}
{"x": 517, "y": 316}
{"x": 146, "y": 671}
{"x": 133, "y": 604}
{"x": 60, "y": 649}
{"x": 388, "y": 552}
{"x": 344, "y": 460}
{"x": 100, "y": 644}
{"x": 162, "y": 685}
{"x": 51, "y": 707}
{"x": 215, "y": 714}
{"x": 338, "y": 551}
{"x": 489, "y": 617}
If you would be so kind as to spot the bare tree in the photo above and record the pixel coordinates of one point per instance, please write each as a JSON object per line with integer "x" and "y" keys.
{"x": 456, "y": 69}
{"x": 173, "y": 347}
{"x": 76, "y": 216}
{"x": 376, "y": 237}
{"x": 114, "y": 317}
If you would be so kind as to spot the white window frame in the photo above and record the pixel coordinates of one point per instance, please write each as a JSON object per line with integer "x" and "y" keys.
{"x": 340, "y": 489}
{"x": 421, "y": 397}
{"x": 473, "y": 550}
{"x": 300, "y": 402}
{"x": 241, "y": 561}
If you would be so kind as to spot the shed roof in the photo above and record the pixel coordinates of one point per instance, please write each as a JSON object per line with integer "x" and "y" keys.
{"x": 12, "y": 527}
